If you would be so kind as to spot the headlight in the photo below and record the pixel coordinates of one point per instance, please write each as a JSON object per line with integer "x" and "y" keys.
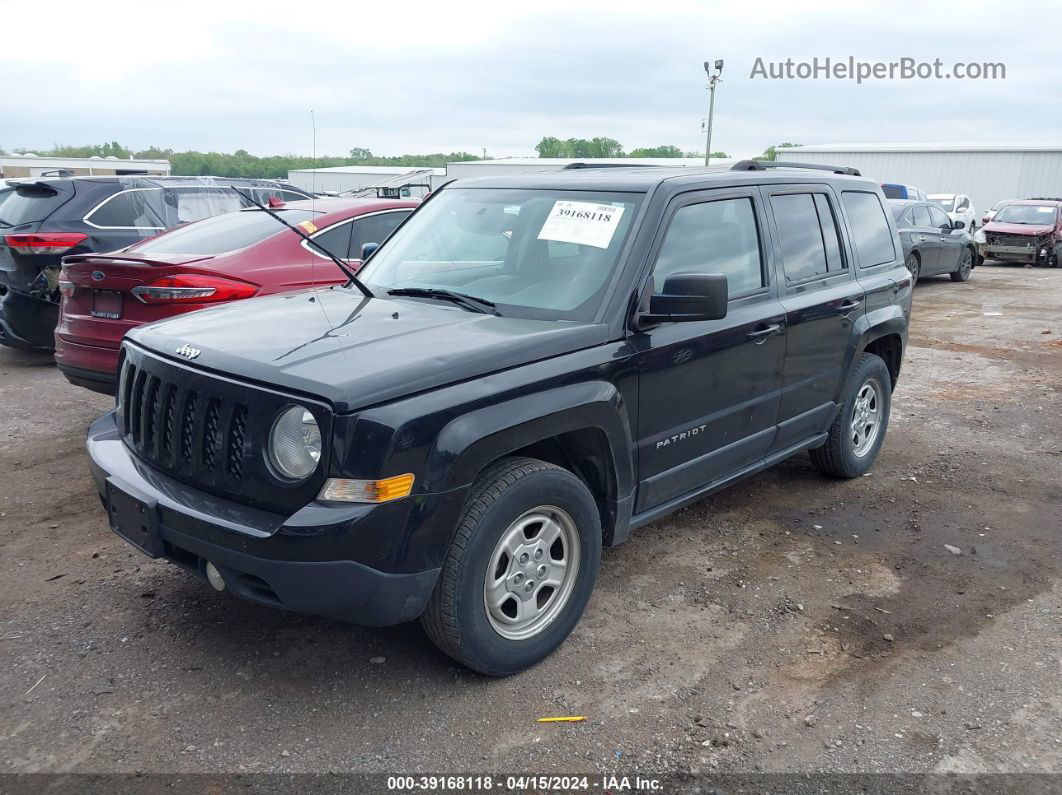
{"x": 295, "y": 444}
{"x": 979, "y": 236}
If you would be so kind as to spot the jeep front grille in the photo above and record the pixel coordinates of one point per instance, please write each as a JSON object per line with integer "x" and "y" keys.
{"x": 150, "y": 416}
{"x": 209, "y": 431}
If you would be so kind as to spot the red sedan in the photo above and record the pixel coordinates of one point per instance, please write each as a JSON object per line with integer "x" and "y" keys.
{"x": 224, "y": 258}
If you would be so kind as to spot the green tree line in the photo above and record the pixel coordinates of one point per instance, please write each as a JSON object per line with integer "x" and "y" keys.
{"x": 243, "y": 164}
{"x": 550, "y": 146}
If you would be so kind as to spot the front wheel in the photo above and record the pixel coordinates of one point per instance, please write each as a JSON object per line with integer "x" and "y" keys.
{"x": 519, "y": 570}
{"x": 962, "y": 273}
{"x": 858, "y": 431}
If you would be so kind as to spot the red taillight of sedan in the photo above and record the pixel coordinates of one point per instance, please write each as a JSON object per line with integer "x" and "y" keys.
{"x": 193, "y": 288}
{"x": 44, "y": 242}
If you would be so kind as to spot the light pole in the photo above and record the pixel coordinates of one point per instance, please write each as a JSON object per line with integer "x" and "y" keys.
{"x": 712, "y": 80}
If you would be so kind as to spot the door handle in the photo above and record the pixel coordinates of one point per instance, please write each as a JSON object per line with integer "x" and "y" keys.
{"x": 759, "y": 336}
{"x": 922, "y": 239}
{"x": 849, "y": 305}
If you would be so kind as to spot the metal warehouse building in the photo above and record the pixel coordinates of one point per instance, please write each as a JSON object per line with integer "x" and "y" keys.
{"x": 344, "y": 178}
{"x": 986, "y": 173}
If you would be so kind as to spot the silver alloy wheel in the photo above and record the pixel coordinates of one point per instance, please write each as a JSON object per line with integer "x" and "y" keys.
{"x": 866, "y": 417}
{"x": 966, "y": 263}
{"x": 531, "y": 573}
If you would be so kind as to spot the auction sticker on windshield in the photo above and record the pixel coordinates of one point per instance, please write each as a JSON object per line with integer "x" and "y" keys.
{"x": 584, "y": 223}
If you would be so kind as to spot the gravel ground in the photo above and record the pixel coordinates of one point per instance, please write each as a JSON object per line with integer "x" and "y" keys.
{"x": 907, "y": 621}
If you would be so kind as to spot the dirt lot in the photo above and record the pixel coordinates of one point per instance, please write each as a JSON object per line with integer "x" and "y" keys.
{"x": 905, "y": 621}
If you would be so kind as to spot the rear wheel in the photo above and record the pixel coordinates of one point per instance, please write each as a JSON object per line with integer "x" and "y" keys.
{"x": 858, "y": 431}
{"x": 520, "y": 569}
{"x": 962, "y": 273}
{"x": 914, "y": 265}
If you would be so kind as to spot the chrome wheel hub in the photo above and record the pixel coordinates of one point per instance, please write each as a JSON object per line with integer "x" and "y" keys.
{"x": 531, "y": 573}
{"x": 866, "y": 417}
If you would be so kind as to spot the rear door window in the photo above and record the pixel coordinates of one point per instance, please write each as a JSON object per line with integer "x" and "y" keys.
{"x": 335, "y": 239}
{"x": 920, "y": 215}
{"x": 807, "y": 234}
{"x": 374, "y": 229}
{"x": 871, "y": 233}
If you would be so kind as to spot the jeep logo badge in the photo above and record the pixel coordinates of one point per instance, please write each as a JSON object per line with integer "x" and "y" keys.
{"x": 188, "y": 351}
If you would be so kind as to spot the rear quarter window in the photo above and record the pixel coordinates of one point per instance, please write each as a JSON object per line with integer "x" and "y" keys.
{"x": 871, "y": 233}
{"x": 131, "y": 209}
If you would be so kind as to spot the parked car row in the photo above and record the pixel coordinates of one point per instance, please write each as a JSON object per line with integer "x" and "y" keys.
{"x": 84, "y": 259}
{"x": 1027, "y": 231}
{"x": 44, "y": 219}
{"x": 455, "y": 430}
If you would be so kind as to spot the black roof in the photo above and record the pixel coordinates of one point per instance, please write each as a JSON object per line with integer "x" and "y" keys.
{"x": 641, "y": 179}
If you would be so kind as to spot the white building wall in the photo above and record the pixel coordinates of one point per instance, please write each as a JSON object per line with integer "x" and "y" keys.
{"x": 985, "y": 176}
{"x": 341, "y": 178}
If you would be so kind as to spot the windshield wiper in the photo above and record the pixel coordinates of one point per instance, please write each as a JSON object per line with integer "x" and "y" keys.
{"x": 352, "y": 278}
{"x": 467, "y": 301}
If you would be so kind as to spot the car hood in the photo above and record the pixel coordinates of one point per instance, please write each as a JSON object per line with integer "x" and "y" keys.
{"x": 1018, "y": 229}
{"x": 354, "y": 351}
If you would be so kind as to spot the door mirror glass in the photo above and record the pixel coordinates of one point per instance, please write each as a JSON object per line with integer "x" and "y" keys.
{"x": 367, "y": 250}
{"x": 689, "y": 296}
{"x": 958, "y": 224}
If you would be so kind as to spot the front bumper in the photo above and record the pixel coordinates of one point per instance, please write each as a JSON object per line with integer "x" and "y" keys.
{"x": 262, "y": 556}
{"x": 1039, "y": 253}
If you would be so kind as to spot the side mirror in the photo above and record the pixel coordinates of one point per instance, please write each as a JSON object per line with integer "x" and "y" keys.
{"x": 367, "y": 250}
{"x": 958, "y": 224}
{"x": 689, "y": 296}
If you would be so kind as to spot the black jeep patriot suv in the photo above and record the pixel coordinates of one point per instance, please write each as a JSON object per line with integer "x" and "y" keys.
{"x": 545, "y": 363}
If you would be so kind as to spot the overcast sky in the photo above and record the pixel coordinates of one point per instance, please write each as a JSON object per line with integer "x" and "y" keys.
{"x": 400, "y": 77}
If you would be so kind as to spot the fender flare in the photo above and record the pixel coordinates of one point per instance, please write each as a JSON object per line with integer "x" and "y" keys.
{"x": 470, "y": 442}
{"x": 886, "y": 321}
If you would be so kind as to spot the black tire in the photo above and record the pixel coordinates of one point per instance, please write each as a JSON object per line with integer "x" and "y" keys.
{"x": 966, "y": 260}
{"x": 838, "y": 456}
{"x": 456, "y": 618}
{"x": 914, "y": 265}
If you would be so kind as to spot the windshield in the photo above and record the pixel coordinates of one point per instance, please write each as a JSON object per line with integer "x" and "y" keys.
{"x": 1036, "y": 214}
{"x": 947, "y": 204}
{"x": 534, "y": 253}
{"x": 221, "y": 233}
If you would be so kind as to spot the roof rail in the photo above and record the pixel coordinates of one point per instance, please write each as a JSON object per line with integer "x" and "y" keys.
{"x": 763, "y": 165}
{"x": 605, "y": 165}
